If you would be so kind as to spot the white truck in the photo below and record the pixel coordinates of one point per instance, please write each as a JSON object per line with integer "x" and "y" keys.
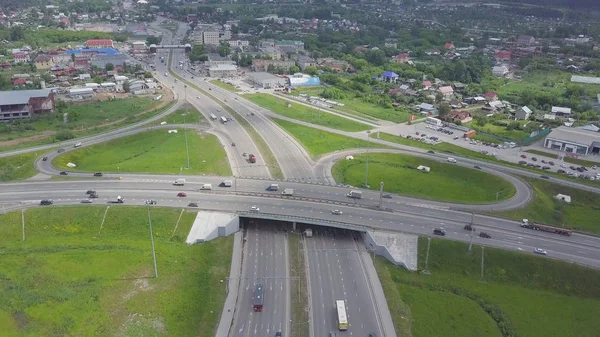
{"x": 179, "y": 182}
{"x": 206, "y": 187}
{"x": 354, "y": 194}
{"x": 227, "y": 183}
{"x": 288, "y": 192}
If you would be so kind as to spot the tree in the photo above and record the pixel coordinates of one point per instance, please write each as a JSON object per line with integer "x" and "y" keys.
{"x": 126, "y": 86}
{"x": 109, "y": 67}
{"x": 153, "y": 40}
{"x": 17, "y": 33}
{"x": 224, "y": 50}
{"x": 311, "y": 70}
{"x": 444, "y": 109}
{"x": 294, "y": 69}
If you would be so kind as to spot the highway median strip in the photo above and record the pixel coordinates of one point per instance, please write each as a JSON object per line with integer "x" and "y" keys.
{"x": 298, "y": 286}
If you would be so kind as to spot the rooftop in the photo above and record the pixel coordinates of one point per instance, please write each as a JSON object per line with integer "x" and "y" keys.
{"x": 21, "y": 96}
{"x": 261, "y": 76}
{"x": 576, "y": 135}
{"x": 223, "y": 67}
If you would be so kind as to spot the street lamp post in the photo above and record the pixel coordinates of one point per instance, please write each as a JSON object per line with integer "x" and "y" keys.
{"x": 367, "y": 168}
{"x": 187, "y": 152}
{"x": 152, "y": 240}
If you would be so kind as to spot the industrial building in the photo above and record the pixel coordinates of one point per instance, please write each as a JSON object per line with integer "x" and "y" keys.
{"x": 81, "y": 93}
{"x": 20, "y": 104}
{"x": 223, "y": 70}
{"x": 267, "y": 80}
{"x": 573, "y": 140}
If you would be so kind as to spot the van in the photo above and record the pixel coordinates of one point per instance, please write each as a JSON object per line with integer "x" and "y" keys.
{"x": 226, "y": 183}
{"x": 451, "y": 160}
{"x": 206, "y": 187}
{"x": 288, "y": 192}
{"x": 273, "y": 187}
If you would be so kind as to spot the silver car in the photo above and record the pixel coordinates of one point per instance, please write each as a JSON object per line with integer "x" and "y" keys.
{"x": 540, "y": 251}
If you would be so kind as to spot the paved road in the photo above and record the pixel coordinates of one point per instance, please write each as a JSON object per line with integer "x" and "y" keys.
{"x": 412, "y": 219}
{"x": 266, "y": 263}
{"x": 336, "y": 272}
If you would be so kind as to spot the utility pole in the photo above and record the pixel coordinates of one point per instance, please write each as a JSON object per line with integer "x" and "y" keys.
{"x": 23, "y": 222}
{"x": 472, "y": 231}
{"x": 187, "y": 153}
{"x": 381, "y": 194}
{"x": 482, "y": 265}
{"x": 367, "y": 170}
{"x": 152, "y": 240}
{"x": 426, "y": 270}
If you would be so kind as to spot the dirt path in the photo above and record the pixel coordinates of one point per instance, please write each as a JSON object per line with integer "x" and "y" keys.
{"x": 167, "y": 98}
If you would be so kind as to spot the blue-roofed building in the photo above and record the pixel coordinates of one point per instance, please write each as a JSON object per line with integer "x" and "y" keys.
{"x": 389, "y": 76}
{"x": 104, "y": 51}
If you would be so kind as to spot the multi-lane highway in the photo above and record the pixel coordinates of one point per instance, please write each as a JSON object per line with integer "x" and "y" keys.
{"x": 266, "y": 263}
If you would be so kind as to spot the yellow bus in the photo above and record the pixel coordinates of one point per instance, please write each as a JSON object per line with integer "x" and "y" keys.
{"x": 342, "y": 317}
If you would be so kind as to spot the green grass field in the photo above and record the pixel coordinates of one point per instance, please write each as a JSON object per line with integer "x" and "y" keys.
{"x": 549, "y": 82}
{"x": 445, "y": 182}
{"x": 18, "y": 167}
{"x": 581, "y": 214}
{"x": 501, "y": 131}
{"x": 318, "y": 142}
{"x": 224, "y": 85}
{"x": 151, "y": 152}
{"x": 304, "y": 113}
{"x": 192, "y": 116}
{"x": 83, "y": 119}
{"x": 71, "y": 278}
{"x": 524, "y": 295}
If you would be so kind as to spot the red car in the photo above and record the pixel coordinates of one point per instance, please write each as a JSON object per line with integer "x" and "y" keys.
{"x": 181, "y": 194}
{"x": 523, "y": 156}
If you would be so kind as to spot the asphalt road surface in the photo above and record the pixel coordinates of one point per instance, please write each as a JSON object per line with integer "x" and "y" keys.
{"x": 506, "y": 234}
{"x": 336, "y": 272}
{"x": 265, "y": 262}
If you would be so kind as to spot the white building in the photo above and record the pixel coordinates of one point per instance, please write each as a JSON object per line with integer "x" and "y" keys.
{"x": 223, "y": 70}
{"x": 573, "y": 140}
{"x": 499, "y": 71}
{"x": 266, "y": 80}
{"x": 81, "y": 93}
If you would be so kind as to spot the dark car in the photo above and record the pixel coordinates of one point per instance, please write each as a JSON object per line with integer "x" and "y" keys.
{"x": 98, "y": 174}
{"x": 93, "y": 195}
{"x": 485, "y": 235}
{"x": 439, "y": 231}
{"x": 90, "y": 192}
{"x": 63, "y": 173}
{"x": 372, "y": 335}
{"x": 278, "y": 334}
{"x": 545, "y": 167}
{"x": 551, "y": 163}
{"x": 534, "y": 158}
{"x": 430, "y": 152}
{"x": 387, "y": 196}
{"x": 193, "y": 204}
{"x": 580, "y": 169}
{"x": 60, "y": 150}
{"x": 46, "y": 202}
{"x": 523, "y": 156}
{"x": 544, "y": 177}
{"x": 561, "y": 171}
{"x": 530, "y": 165}
{"x": 468, "y": 227}
{"x": 45, "y": 158}
{"x": 522, "y": 162}
{"x": 543, "y": 161}
{"x": 477, "y": 167}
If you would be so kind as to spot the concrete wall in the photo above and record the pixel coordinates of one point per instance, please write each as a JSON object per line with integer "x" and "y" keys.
{"x": 398, "y": 248}
{"x": 210, "y": 225}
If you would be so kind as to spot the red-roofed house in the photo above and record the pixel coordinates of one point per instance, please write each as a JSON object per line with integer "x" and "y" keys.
{"x": 491, "y": 96}
{"x": 99, "y": 43}
{"x": 447, "y": 91}
{"x": 19, "y": 81}
{"x": 503, "y": 55}
{"x": 21, "y": 57}
{"x": 449, "y": 45}
{"x": 460, "y": 116}
{"x": 400, "y": 58}
{"x": 426, "y": 85}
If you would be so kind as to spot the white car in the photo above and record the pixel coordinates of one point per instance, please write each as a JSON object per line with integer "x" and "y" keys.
{"x": 336, "y": 212}
{"x": 254, "y": 209}
{"x": 451, "y": 160}
{"x": 540, "y": 251}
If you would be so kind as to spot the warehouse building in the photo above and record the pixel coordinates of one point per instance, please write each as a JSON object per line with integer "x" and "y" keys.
{"x": 20, "y": 104}
{"x": 81, "y": 93}
{"x": 223, "y": 70}
{"x": 573, "y": 140}
{"x": 267, "y": 80}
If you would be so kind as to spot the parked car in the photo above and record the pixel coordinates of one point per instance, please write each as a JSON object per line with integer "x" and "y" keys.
{"x": 540, "y": 251}
{"x": 98, "y": 174}
{"x": 336, "y": 212}
{"x": 278, "y": 334}
{"x": 523, "y": 156}
{"x": 551, "y": 163}
{"x": 485, "y": 235}
{"x": 561, "y": 171}
{"x": 534, "y": 158}
{"x": 182, "y": 194}
{"x": 63, "y": 173}
{"x": 522, "y": 162}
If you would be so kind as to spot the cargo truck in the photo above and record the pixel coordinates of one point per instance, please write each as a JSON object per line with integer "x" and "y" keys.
{"x": 546, "y": 228}
{"x": 354, "y": 194}
{"x": 179, "y": 182}
{"x": 288, "y": 192}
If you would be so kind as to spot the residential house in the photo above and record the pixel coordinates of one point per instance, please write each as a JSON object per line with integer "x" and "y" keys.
{"x": 333, "y": 64}
{"x": 523, "y": 113}
{"x": 400, "y": 58}
{"x": 271, "y": 52}
{"x": 403, "y": 88}
{"x": 459, "y": 86}
{"x": 263, "y": 65}
{"x": 503, "y": 55}
{"x": 426, "y": 85}
{"x": 426, "y": 108}
{"x": 561, "y": 111}
{"x": 389, "y": 76}
{"x": 44, "y": 61}
{"x": 238, "y": 43}
{"x": 447, "y": 91}
{"x": 21, "y": 104}
{"x": 21, "y": 57}
{"x": 305, "y": 61}
{"x": 449, "y": 45}
{"x": 475, "y": 100}
{"x": 525, "y": 40}
{"x": 60, "y": 57}
{"x": 455, "y": 104}
{"x": 461, "y": 117}
{"x": 491, "y": 96}
{"x": 499, "y": 71}
{"x": 19, "y": 81}
{"x": 493, "y": 106}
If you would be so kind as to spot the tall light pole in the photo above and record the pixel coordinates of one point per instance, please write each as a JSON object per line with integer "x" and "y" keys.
{"x": 152, "y": 240}
{"x": 187, "y": 152}
{"x": 367, "y": 169}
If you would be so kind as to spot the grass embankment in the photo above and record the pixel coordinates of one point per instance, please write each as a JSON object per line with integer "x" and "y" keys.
{"x": 445, "y": 182}
{"x": 581, "y": 214}
{"x": 18, "y": 167}
{"x": 186, "y": 114}
{"x": 298, "y": 286}
{"x": 260, "y": 143}
{"x": 83, "y": 119}
{"x": 306, "y": 114}
{"x": 151, "y": 152}
{"x": 318, "y": 142}
{"x": 225, "y": 86}
{"x": 576, "y": 161}
{"x": 521, "y": 295}
{"x": 71, "y": 278}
